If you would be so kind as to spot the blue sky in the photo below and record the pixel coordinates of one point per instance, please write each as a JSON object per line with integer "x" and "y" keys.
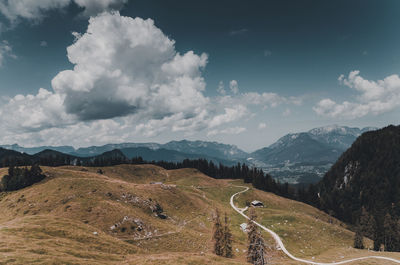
{"x": 278, "y": 62}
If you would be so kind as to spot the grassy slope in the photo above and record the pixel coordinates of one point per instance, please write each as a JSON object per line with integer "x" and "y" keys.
{"x": 54, "y": 221}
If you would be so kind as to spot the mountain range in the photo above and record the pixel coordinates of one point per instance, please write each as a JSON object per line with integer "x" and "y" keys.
{"x": 211, "y": 149}
{"x": 295, "y": 157}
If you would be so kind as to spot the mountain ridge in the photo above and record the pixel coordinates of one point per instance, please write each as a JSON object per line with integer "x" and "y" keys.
{"x": 188, "y": 146}
{"x": 296, "y": 157}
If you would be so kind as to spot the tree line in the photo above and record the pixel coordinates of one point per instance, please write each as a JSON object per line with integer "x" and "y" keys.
{"x": 386, "y": 236}
{"x": 257, "y": 177}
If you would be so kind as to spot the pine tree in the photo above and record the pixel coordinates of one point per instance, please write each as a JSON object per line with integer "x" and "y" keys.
{"x": 358, "y": 239}
{"x": 389, "y": 227}
{"x": 256, "y": 248}
{"x": 218, "y": 236}
{"x": 397, "y": 235}
{"x": 260, "y": 250}
{"x": 367, "y": 224}
{"x": 377, "y": 244}
{"x": 227, "y": 240}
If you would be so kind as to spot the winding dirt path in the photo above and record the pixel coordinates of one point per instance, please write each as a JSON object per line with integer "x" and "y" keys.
{"x": 282, "y": 246}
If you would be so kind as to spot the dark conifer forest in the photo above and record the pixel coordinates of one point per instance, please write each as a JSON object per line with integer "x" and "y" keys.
{"x": 363, "y": 187}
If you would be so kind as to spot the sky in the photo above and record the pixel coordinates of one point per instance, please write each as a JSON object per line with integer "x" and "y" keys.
{"x": 90, "y": 72}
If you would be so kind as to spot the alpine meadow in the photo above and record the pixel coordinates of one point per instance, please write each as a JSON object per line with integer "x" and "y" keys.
{"x": 199, "y": 132}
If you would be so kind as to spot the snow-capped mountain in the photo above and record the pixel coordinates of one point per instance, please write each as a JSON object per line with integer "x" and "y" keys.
{"x": 309, "y": 154}
{"x": 338, "y": 136}
{"x": 317, "y": 144}
{"x": 297, "y": 148}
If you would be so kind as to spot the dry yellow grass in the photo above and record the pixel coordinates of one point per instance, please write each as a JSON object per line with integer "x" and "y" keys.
{"x": 67, "y": 219}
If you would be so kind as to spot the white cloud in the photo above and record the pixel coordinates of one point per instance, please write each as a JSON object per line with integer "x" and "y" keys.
{"x": 128, "y": 66}
{"x": 127, "y": 80}
{"x": 262, "y": 126}
{"x": 374, "y": 97}
{"x": 221, "y": 88}
{"x": 34, "y": 112}
{"x": 5, "y": 51}
{"x": 230, "y": 115}
{"x": 28, "y": 9}
{"x": 233, "y": 85}
{"x": 232, "y": 130}
{"x": 43, "y": 43}
{"x": 265, "y": 99}
{"x": 36, "y": 9}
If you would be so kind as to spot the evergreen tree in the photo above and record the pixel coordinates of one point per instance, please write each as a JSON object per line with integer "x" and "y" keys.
{"x": 358, "y": 239}
{"x": 397, "y": 235}
{"x": 390, "y": 228}
{"x": 256, "y": 248}
{"x": 367, "y": 224}
{"x": 218, "y": 236}
{"x": 260, "y": 250}
{"x": 227, "y": 239}
{"x": 377, "y": 244}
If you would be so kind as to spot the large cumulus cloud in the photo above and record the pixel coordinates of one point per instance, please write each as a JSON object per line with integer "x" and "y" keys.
{"x": 128, "y": 66}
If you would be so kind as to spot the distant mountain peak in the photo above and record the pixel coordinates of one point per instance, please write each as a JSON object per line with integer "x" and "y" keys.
{"x": 341, "y": 130}
{"x": 320, "y": 146}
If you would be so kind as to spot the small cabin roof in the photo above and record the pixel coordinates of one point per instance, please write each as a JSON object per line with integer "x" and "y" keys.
{"x": 255, "y": 202}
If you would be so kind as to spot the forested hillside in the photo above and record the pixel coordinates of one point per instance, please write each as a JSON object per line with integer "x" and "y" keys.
{"x": 367, "y": 176}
